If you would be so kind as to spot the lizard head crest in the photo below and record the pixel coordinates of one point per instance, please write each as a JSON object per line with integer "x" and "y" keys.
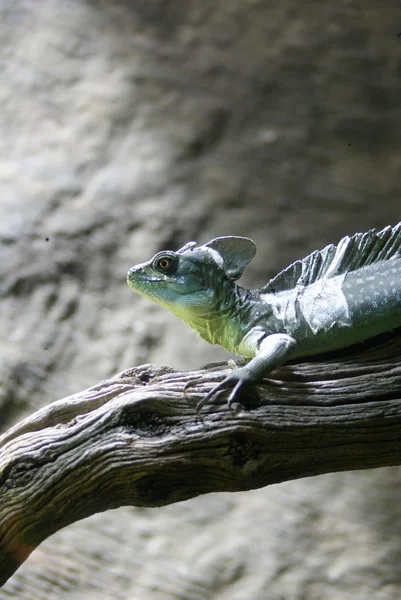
{"x": 236, "y": 253}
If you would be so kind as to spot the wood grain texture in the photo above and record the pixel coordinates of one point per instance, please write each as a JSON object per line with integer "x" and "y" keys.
{"x": 136, "y": 439}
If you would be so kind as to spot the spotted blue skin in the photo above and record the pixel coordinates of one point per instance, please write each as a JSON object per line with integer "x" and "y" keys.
{"x": 373, "y": 295}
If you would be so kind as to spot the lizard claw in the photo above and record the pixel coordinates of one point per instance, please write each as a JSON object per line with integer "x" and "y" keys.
{"x": 215, "y": 390}
{"x": 192, "y": 382}
{"x": 237, "y": 379}
{"x": 189, "y": 384}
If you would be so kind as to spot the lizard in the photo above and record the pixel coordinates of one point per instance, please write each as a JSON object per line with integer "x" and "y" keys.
{"x": 331, "y": 299}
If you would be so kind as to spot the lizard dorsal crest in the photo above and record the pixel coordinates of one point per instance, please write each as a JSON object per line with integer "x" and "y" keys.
{"x": 236, "y": 252}
{"x": 350, "y": 254}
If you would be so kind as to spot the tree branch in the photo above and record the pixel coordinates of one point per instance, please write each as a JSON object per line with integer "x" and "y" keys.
{"x": 136, "y": 439}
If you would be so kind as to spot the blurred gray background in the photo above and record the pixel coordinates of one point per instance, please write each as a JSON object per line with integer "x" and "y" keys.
{"x": 128, "y": 127}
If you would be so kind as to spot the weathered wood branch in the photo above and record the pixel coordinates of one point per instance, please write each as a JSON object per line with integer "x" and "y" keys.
{"x": 136, "y": 440}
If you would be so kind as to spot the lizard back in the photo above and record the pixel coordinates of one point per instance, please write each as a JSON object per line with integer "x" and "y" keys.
{"x": 350, "y": 254}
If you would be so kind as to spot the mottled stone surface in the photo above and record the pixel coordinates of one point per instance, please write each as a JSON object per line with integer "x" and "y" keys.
{"x": 127, "y": 127}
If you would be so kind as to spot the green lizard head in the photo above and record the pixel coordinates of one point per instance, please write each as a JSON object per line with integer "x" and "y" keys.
{"x": 193, "y": 282}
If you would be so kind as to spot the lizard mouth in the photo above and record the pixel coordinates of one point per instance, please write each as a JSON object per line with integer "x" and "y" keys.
{"x": 152, "y": 279}
{"x": 136, "y": 278}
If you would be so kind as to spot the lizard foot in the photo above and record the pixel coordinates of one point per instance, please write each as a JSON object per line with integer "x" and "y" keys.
{"x": 236, "y": 379}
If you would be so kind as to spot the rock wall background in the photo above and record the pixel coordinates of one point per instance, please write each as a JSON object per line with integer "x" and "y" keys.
{"x": 132, "y": 126}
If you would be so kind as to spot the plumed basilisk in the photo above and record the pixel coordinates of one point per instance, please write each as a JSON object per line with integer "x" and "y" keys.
{"x": 331, "y": 299}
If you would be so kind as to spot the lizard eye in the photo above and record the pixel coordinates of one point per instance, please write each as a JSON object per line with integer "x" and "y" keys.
{"x": 164, "y": 263}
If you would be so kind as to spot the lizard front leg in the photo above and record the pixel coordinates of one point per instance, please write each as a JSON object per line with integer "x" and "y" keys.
{"x": 272, "y": 352}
